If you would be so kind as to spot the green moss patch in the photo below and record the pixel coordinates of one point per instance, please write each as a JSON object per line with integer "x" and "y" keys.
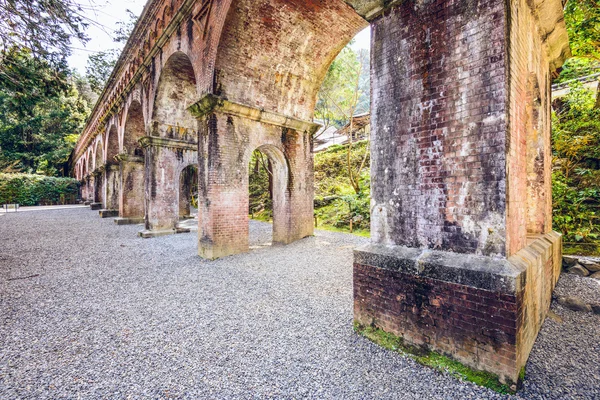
{"x": 434, "y": 360}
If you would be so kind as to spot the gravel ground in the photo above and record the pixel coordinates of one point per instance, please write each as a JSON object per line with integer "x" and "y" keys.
{"x": 586, "y": 289}
{"x": 88, "y": 310}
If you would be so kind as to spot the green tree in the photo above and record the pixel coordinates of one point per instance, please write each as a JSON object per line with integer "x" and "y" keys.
{"x": 100, "y": 65}
{"x": 344, "y": 94}
{"x": 582, "y": 18}
{"x": 41, "y": 115}
{"x": 45, "y": 28}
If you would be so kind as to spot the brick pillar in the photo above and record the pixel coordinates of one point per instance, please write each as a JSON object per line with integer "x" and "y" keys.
{"x": 131, "y": 189}
{"x": 165, "y": 158}
{"x": 448, "y": 267}
{"x": 112, "y": 184}
{"x": 85, "y": 188}
{"x": 229, "y": 133}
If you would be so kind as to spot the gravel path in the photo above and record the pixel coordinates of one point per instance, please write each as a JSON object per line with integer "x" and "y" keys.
{"x": 584, "y": 288}
{"x": 88, "y": 310}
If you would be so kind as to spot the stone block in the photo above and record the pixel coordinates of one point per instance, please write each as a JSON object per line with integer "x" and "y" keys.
{"x": 108, "y": 213}
{"x": 129, "y": 221}
{"x": 147, "y": 234}
{"x": 484, "y": 312}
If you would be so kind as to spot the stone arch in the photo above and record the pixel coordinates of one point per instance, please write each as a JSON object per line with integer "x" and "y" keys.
{"x": 176, "y": 91}
{"x": 134, "y": 129}
{"x": 112, "y": 144}
{"x": 98, "y": 154}
{"x": 281, "y": 179}
{"x": 188, "y": 182}
{"x": 278, "y": 63}
{"x": 88, "y": 161}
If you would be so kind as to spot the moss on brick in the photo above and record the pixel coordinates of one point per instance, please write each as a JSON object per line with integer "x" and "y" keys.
{"x": 434, "y": 360}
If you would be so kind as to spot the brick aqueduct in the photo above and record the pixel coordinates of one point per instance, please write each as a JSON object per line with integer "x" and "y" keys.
{"x": 463, "y": 259}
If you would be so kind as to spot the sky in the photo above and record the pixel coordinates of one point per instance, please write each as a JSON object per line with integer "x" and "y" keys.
{"x": 106, "y": 14}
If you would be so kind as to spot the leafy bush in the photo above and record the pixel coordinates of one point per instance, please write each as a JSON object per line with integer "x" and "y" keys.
{"x": 336, "y": 202}
{"x": 32, "y": 190}
{"x": 576, "y": 174}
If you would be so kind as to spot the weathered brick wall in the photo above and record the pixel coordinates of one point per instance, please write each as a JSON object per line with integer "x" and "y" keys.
{"x": 111, "y": 187}
{"x": 483, "y": 312}
{"x": 528, "y": 147}
{"x": 439, "y": 126}
{"x": 176, "y": 91}
{"x": 134, "y": 129}
{"x": 131, "y": 203}
{"x": 476, "y": 327}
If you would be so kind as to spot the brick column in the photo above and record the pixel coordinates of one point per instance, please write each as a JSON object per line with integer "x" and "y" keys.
{"x": 448, "y": 268}
{"x": 99, "y": 185}
{"x": 229, "y": 133}
{"x": 85, "y": 185}
{"x": 131, "y": 189}
{"x": 165, "y": 158}
{"x": 111, "y": 191}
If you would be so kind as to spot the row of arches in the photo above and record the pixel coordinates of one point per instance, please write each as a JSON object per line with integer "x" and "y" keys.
{"x": 170, "y": 118}
{"x": 449, "y": 142}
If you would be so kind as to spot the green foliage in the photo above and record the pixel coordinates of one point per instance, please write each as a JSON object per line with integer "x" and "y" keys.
{"x": 576, "y": 175}
{"x": 260, "y": 187}
{"x": 582, "y": 18}
{"x": 41, "y": 115}
{"x": 345, "y": 91}
{"x": 434, "y": 360}
{"x": 33, "y": 190}
{"x": 577, "y": 67}
{"x": 46, "y": 28}
{"x": 100, "y": 65}
{"x": 336, "y": 202}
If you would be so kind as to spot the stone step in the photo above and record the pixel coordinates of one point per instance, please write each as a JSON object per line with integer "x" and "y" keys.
{"x": 108, "y": 213}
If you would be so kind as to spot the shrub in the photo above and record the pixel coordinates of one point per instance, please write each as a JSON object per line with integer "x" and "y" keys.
{"x": 33, "y": 190}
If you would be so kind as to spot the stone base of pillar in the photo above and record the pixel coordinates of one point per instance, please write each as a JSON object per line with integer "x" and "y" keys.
{"x": 147, "y": 234}
{"x": 109, "y": 213}
{"x": 95, "y": 206}
{"x": 129, "y": 221}
{"x": 481, "y": 311}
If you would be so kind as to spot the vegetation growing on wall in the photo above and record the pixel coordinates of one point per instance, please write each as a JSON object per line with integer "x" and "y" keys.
{"x": 33, "y": 190}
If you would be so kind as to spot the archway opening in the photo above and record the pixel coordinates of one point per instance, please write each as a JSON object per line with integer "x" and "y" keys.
{"x": 267, "y": 201}
{"x": 175, "y": 93}
{"x": 134, "y": 130}
{"x": 188, "y": 199}
{"x": 342, "y": 144}
{"x": 99, "y": 176}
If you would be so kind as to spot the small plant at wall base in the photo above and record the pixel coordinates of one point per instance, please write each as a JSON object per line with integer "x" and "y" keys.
{"x": 435, "y": 360}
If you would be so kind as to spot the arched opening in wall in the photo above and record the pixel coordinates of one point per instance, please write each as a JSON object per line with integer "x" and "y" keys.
{"x": 188, "y": 199}
{"x": 175, "y": 93}
{"x": 112, "y": 145}
{"x": 135, "y": 129}
{"x": 99, "y": 173}
{"x": 342, "y": 144}
{"x": 268, "y": 178}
